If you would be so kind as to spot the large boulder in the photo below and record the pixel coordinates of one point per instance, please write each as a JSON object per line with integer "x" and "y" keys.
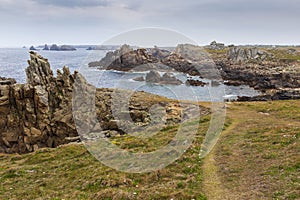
{"x": 167, "y": 78}
{"x": 153, "y": 77}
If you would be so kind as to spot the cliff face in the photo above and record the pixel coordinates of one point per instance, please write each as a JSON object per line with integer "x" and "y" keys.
{"x": 37, "y": 114}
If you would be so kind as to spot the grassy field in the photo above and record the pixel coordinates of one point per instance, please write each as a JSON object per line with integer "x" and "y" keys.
{"x": 257, "y": 157}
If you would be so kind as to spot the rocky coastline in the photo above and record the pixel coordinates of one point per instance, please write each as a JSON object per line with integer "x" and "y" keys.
{"x": 39, "y": 114}
{"x": 262, "y": 69}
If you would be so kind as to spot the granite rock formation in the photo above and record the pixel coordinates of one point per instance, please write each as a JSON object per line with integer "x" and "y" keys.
{"x": 36, "y": 114}
{"x": 237, "y": 54}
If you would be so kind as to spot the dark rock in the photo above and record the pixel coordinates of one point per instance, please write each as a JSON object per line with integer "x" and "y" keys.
{"x": 159, "y": 53}
{"x": 195, "y": 83}
{"x": 32, "y": 48}
{"x": 54, "y": 47}
{"x": 126, "y": 59}
{"x": 46, "y": 48}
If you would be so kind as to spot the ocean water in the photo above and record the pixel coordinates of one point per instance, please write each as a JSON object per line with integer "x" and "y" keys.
{"x": 13, "y": 63}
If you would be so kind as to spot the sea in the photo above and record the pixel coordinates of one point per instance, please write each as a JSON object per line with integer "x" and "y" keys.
{"x": 13, "y": 62}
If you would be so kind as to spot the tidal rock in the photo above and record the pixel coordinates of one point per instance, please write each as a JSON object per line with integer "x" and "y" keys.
{"x": 167, "y": 78}
{"x": 153, "y": 77}
{"x": 195, "y": 83}
{"x": 32, "y": 48}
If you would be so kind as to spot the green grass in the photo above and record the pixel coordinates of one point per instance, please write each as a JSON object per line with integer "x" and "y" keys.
{"x": 70, "y": 172}
{"x": 282, "y": 54}
{"x": 257, "y": 157}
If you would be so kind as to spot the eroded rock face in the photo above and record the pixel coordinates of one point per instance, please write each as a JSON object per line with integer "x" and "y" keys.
{"x": 29, "y": 112}
{"x": 185, "y": 58}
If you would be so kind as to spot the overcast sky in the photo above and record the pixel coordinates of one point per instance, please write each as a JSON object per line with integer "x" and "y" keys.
{"x": 35, "y": 22}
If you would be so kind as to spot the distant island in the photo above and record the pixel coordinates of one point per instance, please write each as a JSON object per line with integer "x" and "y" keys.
{"x": 54, "y": 47}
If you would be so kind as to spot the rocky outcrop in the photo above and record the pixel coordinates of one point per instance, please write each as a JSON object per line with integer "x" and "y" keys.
{"x": 125, "y": 59}
{"x": 166, "y": 79}
{"x": 216, "y": 46}
{"x": 154, "y": 77}
{"x": 274, "y": 78}
{"x": 39, "y": 113}
{"x": 7, "y": 81}
{"x": 32, "y": 48}
{"x": 54, "y": 47}
{"x": 238, "y": 54}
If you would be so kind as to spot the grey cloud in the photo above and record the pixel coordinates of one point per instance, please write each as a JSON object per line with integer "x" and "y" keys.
{"x": 74, "y": 3}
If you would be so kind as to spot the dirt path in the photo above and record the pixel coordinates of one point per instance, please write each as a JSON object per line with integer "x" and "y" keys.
{"x": 257, "y": 154}
{"x": 213, "y": 187}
